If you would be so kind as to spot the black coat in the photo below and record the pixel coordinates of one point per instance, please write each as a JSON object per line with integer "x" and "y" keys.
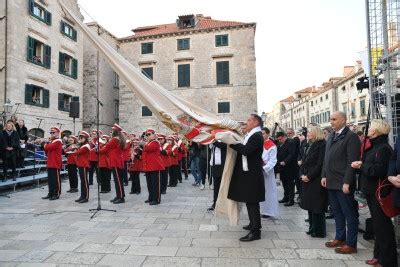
{"x": 248, "y": 186}
{"x": 287, "y": 153}
{"x": 11, "y": 140}
{"x": 23, "y": 133}
{"x": 340, "y": 152}
{"x": 313, "y": 195}
{"x": 217, "y": 170}
{"x": 394, "y": 170}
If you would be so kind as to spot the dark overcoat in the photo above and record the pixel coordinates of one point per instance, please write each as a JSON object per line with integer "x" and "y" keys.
{"x": 313, "y": 195}
{"x": 248, "y": 186}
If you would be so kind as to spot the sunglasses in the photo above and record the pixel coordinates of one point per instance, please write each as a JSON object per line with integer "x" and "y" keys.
{"x": 52, "y": 132}
{"x": 148, "y": 134}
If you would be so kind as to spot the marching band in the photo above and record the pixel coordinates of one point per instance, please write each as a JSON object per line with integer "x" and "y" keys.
{"x": 156, "y": 155}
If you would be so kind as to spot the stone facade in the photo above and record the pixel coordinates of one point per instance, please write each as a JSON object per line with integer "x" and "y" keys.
{"x": 202, "y": 56}
{"x": 19, "y": 72}
{"x": 98, "y": 75}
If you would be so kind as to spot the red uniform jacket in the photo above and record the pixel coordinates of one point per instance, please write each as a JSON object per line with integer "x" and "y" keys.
{"x": 152, "y": 157}
{"x": 114, "y": 153}
{"x": 104, "y": 162}
{"x": 165, "y": 155}
{"x": 127, "y": 151}
{"x": 82, "y": 156}
{"x": 137, "y": 163}
{"x": 174, "y": 155}
{"x": 70, "y": 152}
{"x": 54, "y": 154}
{"x": 93, "y": 154}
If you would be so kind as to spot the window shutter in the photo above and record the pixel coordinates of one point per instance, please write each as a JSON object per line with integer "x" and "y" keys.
{"x": 31, "y": 42}
{"x": 47, "y": 17}
{"x": 74, "y": 34}
{"x": 28, "y": 94}
{"x": 75, "y": 98}
{"x": 223, "y": 72}
{"x": 61, "y": 63}
{"x": 47, "y": 56}
{"x": 31, "y": 6}
{"x": 61, "y": 102}
{"x": 217, "y": 40}
{"x": 226, "y": 72}
{"x": 74, "y": 68}
{"x": 62, "y": 25}
{"x": 46, "y": 98}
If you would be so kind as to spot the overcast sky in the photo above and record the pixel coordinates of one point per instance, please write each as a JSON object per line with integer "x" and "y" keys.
{"x": 298, "y": 43}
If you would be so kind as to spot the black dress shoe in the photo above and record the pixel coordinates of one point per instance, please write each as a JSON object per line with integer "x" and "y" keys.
{"x": 307, "y": 220}
{"x": 251, "y": 237}
{"x": 289, "y": 203}
{"x": 318, "y": 235}
{"x": 265, "y": 216}
{"x": 309, "y": 232}
{"x": 79, "y": 199}
{"x": 132, "y": 192}
{"x": 114, "y": 199}
{"x": 72, "y": 190}
{"x": 247, "y": 227}
{"x": 283, "y": 200}
{"x": 211, "y": 208}
{"x": 54, "y": 198}
{"x": 119, "y": 200}
{"x": 137, "y": 193}
{"x": 163, "y": 192}
{"x": 46, "y": 197}
{"x": 153, "y": 203}
{"x": 147, "y": 201}
{"x": 83, "y": 201}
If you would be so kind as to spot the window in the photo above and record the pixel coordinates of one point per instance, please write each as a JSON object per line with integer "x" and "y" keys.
{"x": 321, "y": 99}
{"x": 362, "y": 107}
{"x": 312, "y": 104}
{"x": 39, "y": 12}
{"x": 326, "y": 96}
{"x": 39, "y": 53}
{"x": 115, "y": 80}
{"x": 148, "y": 72}
{"x": 116, "y": 110}
{"x": 146, "y": 112}
{"x": 344, "y": 107}
{"x": 223, "y": 72}
{"x": 343, "y": 88}
{"x": 64, "y": 101}
{"x": 184, "y": 75}
{"x": 221, "y": 40}
{"x": 183, "y": 44}
{"x": 68, "y": 66}
{"x": 224, "y": 107}
{"x": 353, "y": 110}
{"x": 36, "y": 96}
{"x": 68, "y": 30}
{"x": 147, "y": 48}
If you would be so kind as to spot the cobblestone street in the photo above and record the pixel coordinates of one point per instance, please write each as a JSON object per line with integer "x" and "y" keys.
{"x": 179, "y": 232}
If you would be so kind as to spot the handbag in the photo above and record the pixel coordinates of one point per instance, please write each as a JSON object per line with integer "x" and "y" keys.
{"x": 387, "y": 202}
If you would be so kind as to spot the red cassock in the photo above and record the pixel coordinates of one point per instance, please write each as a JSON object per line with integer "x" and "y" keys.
{"x": 126, "y": 154}
{"x": 54, "y": 154}
{"x": 165, "y": 156}
{"x": 103, "y": 159}
{"x": 114, "y": 152}
{"x": 82, "y": 156}
{"x": 70, "y": 152}
{"x": 174, "y": 155}
{"x": 93, "y": 155}
{"x": 152, "y": 157}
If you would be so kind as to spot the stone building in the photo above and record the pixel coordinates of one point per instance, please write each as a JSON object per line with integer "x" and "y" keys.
{"x": 208, "y": 62}
{"x": 99, "y": 82}
{"x": 41, "y": 54}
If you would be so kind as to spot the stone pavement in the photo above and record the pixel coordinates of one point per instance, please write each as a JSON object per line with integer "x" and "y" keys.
{"x": 179, "y": 232}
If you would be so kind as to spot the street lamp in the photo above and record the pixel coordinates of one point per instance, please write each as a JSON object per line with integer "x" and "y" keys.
{"x": 7, "y": 108}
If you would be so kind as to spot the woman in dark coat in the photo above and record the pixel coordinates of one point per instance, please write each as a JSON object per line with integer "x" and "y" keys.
{"x": 23, "y": 137}
{"x": 373, "y": 169}
{"x": 313, "y": 195}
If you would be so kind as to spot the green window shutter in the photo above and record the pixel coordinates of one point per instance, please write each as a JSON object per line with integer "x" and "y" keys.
{"x": 62, "y": 26}
{"x": 74, "y": 68}
{"x": 61, "y": 102}
{"x": 74, "y": 35}
{"x": 148, "y": 72}
{"x": 223, "y": 72}
{"x": 61, "y": 63}
{"x": 184, "y": 75}
{"x": 47, "y": 17}
{"x": 47, "y": 56}
{"x": 28, "y": 94}
{"x": 31, "y": 43}
{"x": 31, "y": 6}
{"x": 46, "y": 98}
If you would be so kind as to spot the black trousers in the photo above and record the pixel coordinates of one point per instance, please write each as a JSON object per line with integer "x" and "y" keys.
{"x": 317, "y": 223}
{"x": 105, "y": 179}
{"x": 164, "y": 179}
{"x": 217, "y": 184}
{"x": 135, "y": 177}
{"x": 83, "y": 176}
{"x": 119, "y": 186}
{"x": 125, "y": 173}
{"x": 180, "y": 171}
{"x": 288, "y": 185}
{"x": 72, "y": 176}
{"x": 92, "y": 170}
{"x": 10, "y": 162}
{"x": 385, "y": 241}
{"x": 202, "y": 170}
{"x": 154, "y": 186}
{"x": 173, "y": 175}
{"x": 54, "y": 181}
{"x": 21, "y": 155}
{"x": 297, "y": 180}
{"x": 253, "y": 209}
{"x": 184, "y": 167}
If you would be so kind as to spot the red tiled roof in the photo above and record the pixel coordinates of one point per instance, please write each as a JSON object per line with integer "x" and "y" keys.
{"x": 203, "y": 23}
{"x": 307, "y": 90}
{"x": 289, "y": 99}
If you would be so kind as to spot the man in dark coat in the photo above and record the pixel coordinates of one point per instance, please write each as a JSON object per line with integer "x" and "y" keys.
{"x": 342, "y": 148}
{"x": 217, "y": 163}
{"x": 247, "y": 183}
{"x": 286, "y": 166}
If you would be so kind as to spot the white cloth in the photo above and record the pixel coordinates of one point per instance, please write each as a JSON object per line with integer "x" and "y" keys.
{"x": 245, "y": 164}
{"x": 270, "y": 206}
{"x": 217, "y": 155}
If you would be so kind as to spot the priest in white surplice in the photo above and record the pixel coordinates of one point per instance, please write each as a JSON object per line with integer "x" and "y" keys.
{"x": 270, "y": 207}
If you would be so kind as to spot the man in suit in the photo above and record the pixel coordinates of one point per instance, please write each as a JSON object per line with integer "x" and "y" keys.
{"x": 286, "y": 166}
{"x": 217, "y": 163}
{"x": 342, "y": 148}
{"x": 247, "y": 183}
